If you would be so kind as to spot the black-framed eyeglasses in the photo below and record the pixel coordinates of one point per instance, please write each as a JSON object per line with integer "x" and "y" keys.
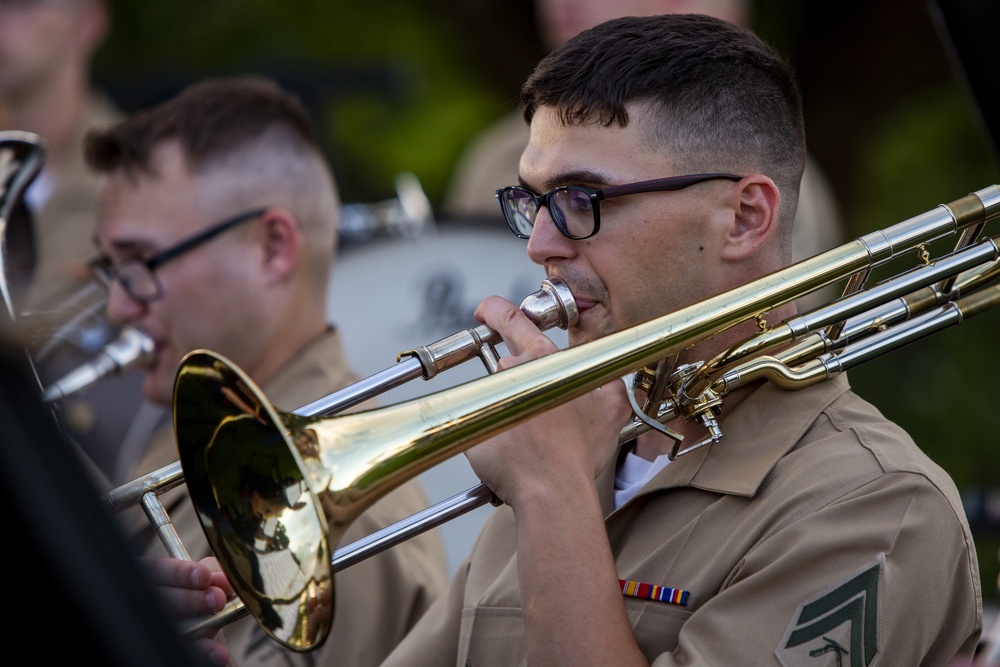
{"x": 138, "y": 276}
{"x": 576, "y": 210}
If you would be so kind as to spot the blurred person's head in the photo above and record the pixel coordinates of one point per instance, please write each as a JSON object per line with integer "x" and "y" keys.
{"x": 559, "y": 20}
{"x": 637, "y": 99}
{"x": 46, "y": 44}
{"x": 239, "y": 150}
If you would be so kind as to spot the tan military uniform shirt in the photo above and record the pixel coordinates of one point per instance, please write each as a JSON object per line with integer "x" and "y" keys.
{"x": 377, "y": 600}
{"x": 815, "y": 533}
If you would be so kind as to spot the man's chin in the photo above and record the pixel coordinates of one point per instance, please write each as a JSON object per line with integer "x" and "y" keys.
{"x": 580, "y": 339}
{"x": 580, "y": 335}
{"x": 157, "y": 391}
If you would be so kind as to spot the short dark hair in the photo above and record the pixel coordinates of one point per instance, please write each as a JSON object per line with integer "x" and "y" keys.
{"x": 255, "y": 137}
{"x": 720, "y": 97}
{"x": 210, "y": 120}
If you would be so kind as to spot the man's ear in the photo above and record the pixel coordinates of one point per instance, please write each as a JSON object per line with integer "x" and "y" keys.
{"x": 281, "y": 243}
{"x": 94, "y": 23}
{"x": 756, "y": 202}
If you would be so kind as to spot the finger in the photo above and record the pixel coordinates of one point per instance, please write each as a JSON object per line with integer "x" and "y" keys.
{"x": 212, "y": 563}
{"x": 521, "y": 335}
{"x": 187, "y": 602}
{"x": 220, "y": 582}
{"x": 178, "y": 573}
{"x": 219, "y": 578}
{"x": 216, "y": 652}
{"x": 616, "y": 393}
{"x": 185, "y": 587}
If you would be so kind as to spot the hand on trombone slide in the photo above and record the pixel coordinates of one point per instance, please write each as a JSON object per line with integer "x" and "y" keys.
{"x": 194, "y": 589}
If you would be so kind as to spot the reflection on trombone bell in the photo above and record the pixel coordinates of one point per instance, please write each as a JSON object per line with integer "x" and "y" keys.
{"x": 323, "y": 472}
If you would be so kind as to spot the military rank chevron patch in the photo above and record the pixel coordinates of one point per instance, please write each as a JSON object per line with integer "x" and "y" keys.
{"x": 838, "y": 628}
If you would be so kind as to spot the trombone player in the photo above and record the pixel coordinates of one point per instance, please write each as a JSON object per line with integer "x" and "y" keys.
{"x": 662, "y": 169}
{"x": 216, "y": 224}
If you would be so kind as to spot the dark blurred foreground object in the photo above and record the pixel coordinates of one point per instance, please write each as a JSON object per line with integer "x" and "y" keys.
{"x": 967, "y": 29}
{"x": 71, "y": 568}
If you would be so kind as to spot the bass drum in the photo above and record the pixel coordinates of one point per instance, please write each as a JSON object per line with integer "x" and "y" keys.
{"x": 396, "y": 294}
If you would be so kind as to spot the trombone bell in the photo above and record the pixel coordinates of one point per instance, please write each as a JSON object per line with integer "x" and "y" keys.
{"x": 263, "y": 521}
{"x": 275, "y": 490}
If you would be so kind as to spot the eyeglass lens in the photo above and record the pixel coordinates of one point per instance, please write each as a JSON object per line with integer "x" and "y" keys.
{"x": 571, "y": 210}
{"x": 138, "y": 281}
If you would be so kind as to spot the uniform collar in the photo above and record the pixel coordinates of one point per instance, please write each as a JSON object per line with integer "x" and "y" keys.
{"x": 758, "y": 432}
{"x": 317, "y": 370}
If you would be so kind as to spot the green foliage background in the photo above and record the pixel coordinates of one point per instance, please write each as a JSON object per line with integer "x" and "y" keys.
{"x": 402, "y": 85}
{"x": 395, "y": 85}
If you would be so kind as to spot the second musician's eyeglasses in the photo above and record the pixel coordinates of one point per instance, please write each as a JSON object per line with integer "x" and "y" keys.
{"x": 575, "y": 209}
{"x": 138, "y": 276}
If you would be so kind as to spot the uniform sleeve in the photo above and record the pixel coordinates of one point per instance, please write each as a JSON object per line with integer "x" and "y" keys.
{"x": 887, "y": 572}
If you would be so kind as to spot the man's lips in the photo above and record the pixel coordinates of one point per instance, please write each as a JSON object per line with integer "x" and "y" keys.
{"x": 583, "y": 303}
{"x": 158, "y": 349}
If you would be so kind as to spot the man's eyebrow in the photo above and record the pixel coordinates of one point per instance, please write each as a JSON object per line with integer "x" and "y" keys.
{"x": 125, "y": 246}
{"x": 583, "y": 177}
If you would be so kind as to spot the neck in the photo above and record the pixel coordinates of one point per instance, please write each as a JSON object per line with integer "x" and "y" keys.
{"x": 287, "y": 343}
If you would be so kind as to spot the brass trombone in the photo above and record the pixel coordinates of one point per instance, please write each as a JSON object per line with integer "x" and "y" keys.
{"x": 274, "y": 490}
{"x": 551, "y": 306}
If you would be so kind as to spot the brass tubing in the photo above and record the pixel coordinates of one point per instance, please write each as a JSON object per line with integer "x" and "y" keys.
{"x": 859, "y": 302}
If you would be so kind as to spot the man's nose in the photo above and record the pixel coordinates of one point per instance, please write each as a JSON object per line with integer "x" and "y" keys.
{"x": 121, "y": 307}
{"x": 546, "y": 241}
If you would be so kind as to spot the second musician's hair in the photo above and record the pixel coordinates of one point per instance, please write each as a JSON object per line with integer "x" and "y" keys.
{"x": 251, "y": 144}
{"x": 210, "y": 120}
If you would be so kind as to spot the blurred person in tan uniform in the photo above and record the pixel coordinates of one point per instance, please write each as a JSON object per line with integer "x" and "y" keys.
{"x": 46, "y": 50}
{"x": 217, "y": 225}
{"x": 490, "y": 160}
{"x": 45, "y": 88}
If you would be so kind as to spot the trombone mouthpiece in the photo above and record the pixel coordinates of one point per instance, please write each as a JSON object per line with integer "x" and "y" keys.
{"x": 132, "y": 349}
{"x": 551, "y": 306}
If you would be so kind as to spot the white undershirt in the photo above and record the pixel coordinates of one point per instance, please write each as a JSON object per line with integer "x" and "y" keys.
{"x": 632, "y": 474}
